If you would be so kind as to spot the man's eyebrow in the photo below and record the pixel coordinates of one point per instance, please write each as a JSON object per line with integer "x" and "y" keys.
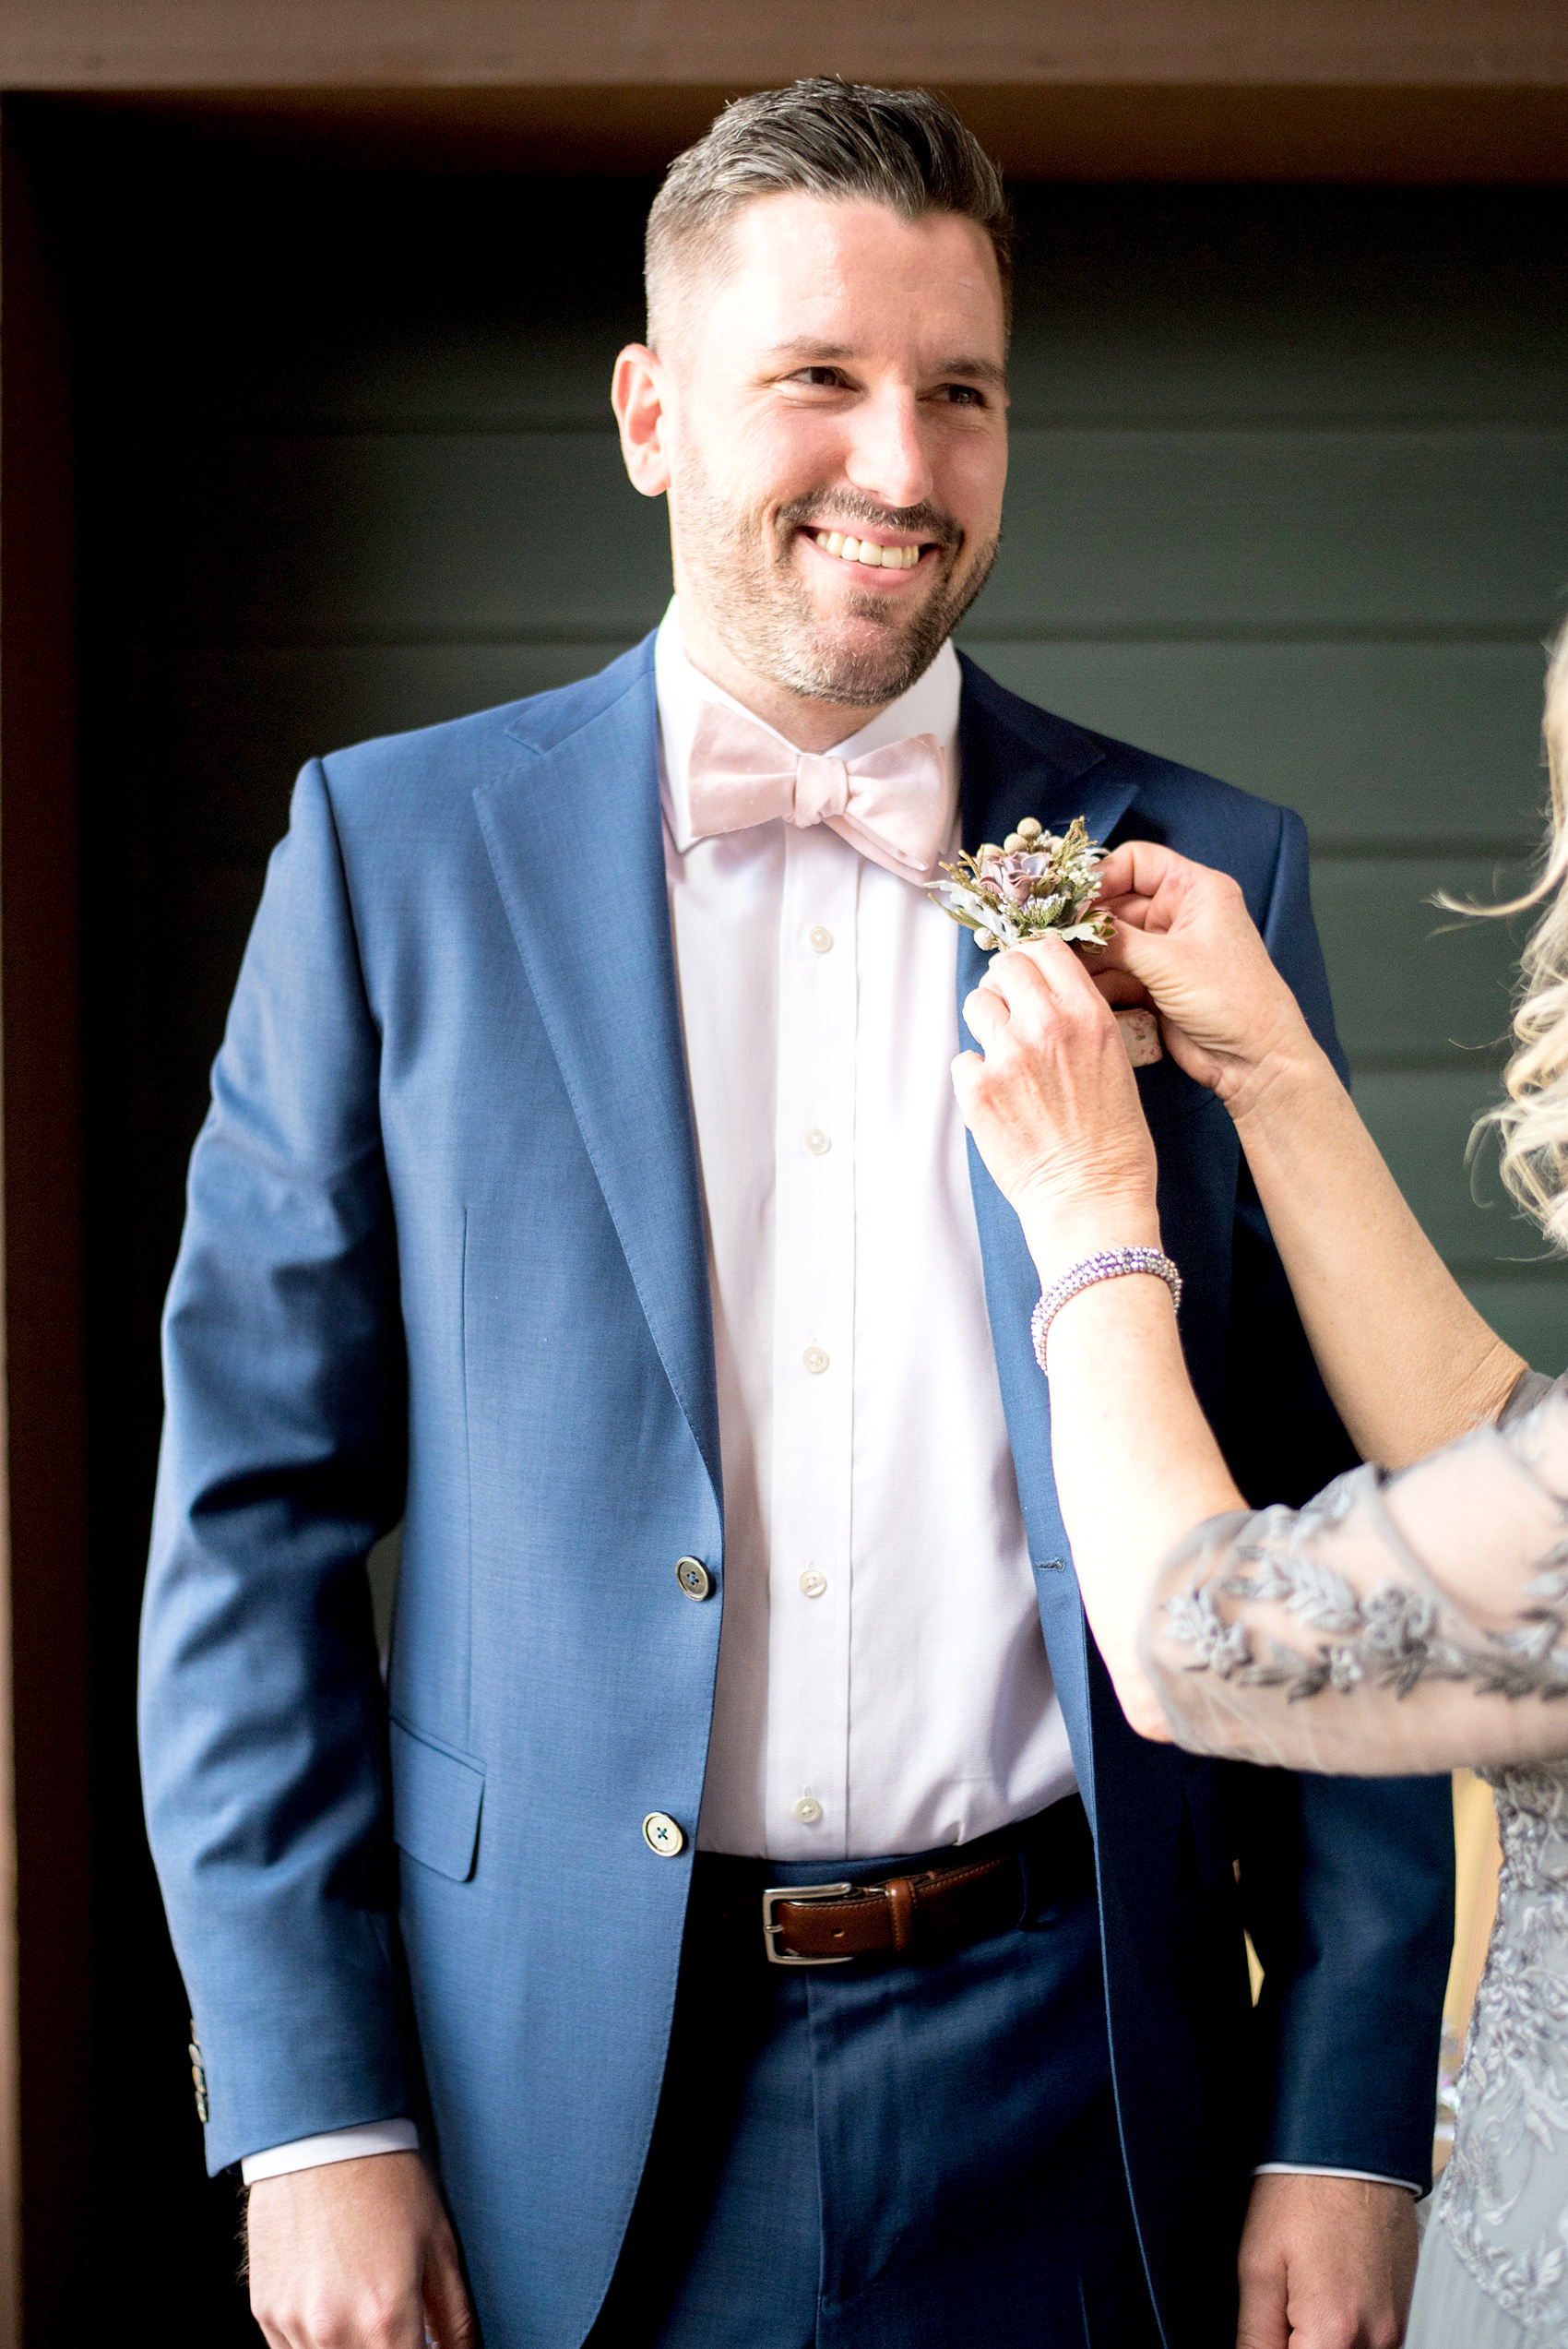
{"x": 982, "y": 370}
{"x": 806, "y": 353}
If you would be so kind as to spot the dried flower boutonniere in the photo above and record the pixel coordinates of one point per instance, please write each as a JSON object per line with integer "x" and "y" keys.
{"x": 1039, "y": 885}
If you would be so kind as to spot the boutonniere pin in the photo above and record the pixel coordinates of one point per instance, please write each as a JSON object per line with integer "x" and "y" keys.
{"x": 1039, "y": 885}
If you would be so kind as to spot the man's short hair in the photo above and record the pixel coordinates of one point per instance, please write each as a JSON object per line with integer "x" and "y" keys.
{"x": 840, "y": 140}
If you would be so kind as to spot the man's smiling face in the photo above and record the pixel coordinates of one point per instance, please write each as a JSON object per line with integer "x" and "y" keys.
{"x": 828, "y": 419}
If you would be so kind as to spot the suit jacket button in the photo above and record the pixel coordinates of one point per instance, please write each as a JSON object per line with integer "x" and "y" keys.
{"x": 662, "y": 1835}
{"x": 198, "y": 2078}
{"x": 693, "y": 1577}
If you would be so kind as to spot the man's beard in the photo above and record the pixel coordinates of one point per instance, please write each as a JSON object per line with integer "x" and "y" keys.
{"x": 762, "y": 612}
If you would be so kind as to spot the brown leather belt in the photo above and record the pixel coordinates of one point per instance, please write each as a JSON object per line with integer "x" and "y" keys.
{"x": 988, "y": 1886}
{"x": 826, "y": 1925}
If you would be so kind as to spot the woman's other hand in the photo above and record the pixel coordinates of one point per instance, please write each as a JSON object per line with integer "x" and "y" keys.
{"x": 1053, "y": 1106}
{"x": 1184, "y": 933}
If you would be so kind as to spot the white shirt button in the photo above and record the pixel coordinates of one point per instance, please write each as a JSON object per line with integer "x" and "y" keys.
{"x": 817, "y": 1142}
{"x": 808, "y": 1810}
{"x": 814, "y": 1582}
{"x": 819, "y": 940}
{"x": 662, "y": 1835}
{"x": 814, "y": 1360}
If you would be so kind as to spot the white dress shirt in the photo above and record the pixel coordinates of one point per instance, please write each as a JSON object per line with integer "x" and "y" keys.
{"x": 883, "y": 1685}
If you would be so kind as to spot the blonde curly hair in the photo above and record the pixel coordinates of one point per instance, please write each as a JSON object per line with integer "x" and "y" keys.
{"x": 1533, "y": 1121}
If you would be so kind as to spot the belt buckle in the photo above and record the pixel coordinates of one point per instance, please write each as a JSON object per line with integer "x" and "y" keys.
{"x": 771, "y": 1928}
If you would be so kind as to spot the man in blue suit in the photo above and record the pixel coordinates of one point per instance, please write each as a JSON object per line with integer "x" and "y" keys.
{"x": 584, "y": 1186}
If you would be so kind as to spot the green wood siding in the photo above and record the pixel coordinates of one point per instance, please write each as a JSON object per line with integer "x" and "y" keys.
{"x": 1295, "y": 475}
{"x": 1289, "y": 500}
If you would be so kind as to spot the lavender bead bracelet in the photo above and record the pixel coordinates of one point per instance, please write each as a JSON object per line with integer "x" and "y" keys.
{"x": 1107, "y": 1266}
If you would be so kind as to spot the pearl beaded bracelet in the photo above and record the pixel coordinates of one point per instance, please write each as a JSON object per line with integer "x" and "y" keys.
{"x": 1108, "y": 1264}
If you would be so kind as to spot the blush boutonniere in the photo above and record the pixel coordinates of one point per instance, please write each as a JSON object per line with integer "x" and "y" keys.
{"x": 1039, "y": 885}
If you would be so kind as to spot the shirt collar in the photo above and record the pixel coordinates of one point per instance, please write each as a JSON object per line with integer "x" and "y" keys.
{"x": 929, "y": 707}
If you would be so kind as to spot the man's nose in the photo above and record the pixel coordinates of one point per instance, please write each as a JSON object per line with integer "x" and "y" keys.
{"x": 886, "y": 456}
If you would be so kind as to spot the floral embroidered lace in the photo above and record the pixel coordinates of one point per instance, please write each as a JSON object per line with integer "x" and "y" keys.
{"x": 1408, "y": 1623}
{"x": 1503, "y": 2200}
{"x": 1397, "y": 1623}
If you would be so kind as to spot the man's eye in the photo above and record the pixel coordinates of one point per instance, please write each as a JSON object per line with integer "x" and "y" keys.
{"x": 827, "y": 378}
{"x": 963, "y": 395}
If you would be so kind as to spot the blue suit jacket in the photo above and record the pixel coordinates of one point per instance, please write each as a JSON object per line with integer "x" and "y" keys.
{"x": 444, "y": 1261}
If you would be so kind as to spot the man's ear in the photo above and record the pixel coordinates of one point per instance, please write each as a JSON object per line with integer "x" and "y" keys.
{"x": 636, "y": 394}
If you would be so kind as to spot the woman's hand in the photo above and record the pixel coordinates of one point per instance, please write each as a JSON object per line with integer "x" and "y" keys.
{"x": 1054, "y": 1108}
{"x": 1055, "y": 1114}
{"x": 1184, "y": 933}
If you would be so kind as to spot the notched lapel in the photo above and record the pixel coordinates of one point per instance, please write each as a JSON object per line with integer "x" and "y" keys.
{"x": 606, "y": 994}
{"x": 1017, "y": 761}
{"x": 1020, "y": 762}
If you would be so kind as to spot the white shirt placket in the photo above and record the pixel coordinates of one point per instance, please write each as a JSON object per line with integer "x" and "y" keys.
{"x": 807, "y": 1761}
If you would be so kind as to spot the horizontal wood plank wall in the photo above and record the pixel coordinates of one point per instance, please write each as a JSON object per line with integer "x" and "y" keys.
{"x": 1289, "y": 500}
{"x": 1292, "y": 503}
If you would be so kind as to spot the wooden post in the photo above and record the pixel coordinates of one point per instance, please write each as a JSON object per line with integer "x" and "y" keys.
{"x": 45, "y": 1933}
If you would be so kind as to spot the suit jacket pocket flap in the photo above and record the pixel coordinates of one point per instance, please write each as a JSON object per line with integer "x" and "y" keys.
{"x": 437, "y": 1793}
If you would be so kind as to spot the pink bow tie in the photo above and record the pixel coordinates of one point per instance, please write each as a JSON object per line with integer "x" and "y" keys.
{"x": 892, "y": 804}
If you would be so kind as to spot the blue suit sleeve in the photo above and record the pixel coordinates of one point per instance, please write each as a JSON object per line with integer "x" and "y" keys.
{"x": 1347, "y": 1885}
{"x": 261, "y": 1713}
{"x": 1290, "y": 935}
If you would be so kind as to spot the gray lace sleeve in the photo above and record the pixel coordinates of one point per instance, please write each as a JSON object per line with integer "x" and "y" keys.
{"x": 1530, "y": 1388}
{"x": 1403, "y": 1623}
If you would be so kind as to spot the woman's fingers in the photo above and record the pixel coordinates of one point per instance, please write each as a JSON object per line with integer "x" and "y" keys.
{"x": 985, "y": 1014}
{"x": 1143, "y": 869}
{"x": 1148, "y": 956}
{"x": 1148, "y": 889}
{"x": 1117, "y": 986}
{"x": 966, "y": 1072}
{"x": 1043, "y": 970}
{"x": 1054, "y": 1105}
{"x": 1123, "y": 865}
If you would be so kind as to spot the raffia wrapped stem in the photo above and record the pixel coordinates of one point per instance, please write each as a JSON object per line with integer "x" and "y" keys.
{"x": 1140, "y": 1033}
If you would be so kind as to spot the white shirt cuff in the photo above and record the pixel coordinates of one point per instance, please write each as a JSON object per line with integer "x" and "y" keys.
{"x": 333, "y": 2145}
{"x": 1322, "y": 2169}
{"x": 402, "y": 2137}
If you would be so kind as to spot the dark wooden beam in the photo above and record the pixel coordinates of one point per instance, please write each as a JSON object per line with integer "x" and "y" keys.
{"x": 238, "y": 44}
{"x": 1149, "y": 131}
{"x": 40, "y": 1161}
{"x": 1395, "y": 90}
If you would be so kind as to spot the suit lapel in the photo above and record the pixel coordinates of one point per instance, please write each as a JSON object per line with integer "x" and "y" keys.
{"x": 574, "y": 817}
{"x": 1019, "y": 761}
{"x": 1016, "y": 761}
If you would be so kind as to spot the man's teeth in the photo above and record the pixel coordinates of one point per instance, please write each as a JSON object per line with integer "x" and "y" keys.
{"x": 855, "y": 550}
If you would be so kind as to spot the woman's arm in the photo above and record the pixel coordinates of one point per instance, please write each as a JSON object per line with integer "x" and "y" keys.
{"x": 1054, "y": 1110}
{"x": 1438, "y": 1601}
{"x": 1407, "y": 1359}
{"x": 1395, "y": 1625}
